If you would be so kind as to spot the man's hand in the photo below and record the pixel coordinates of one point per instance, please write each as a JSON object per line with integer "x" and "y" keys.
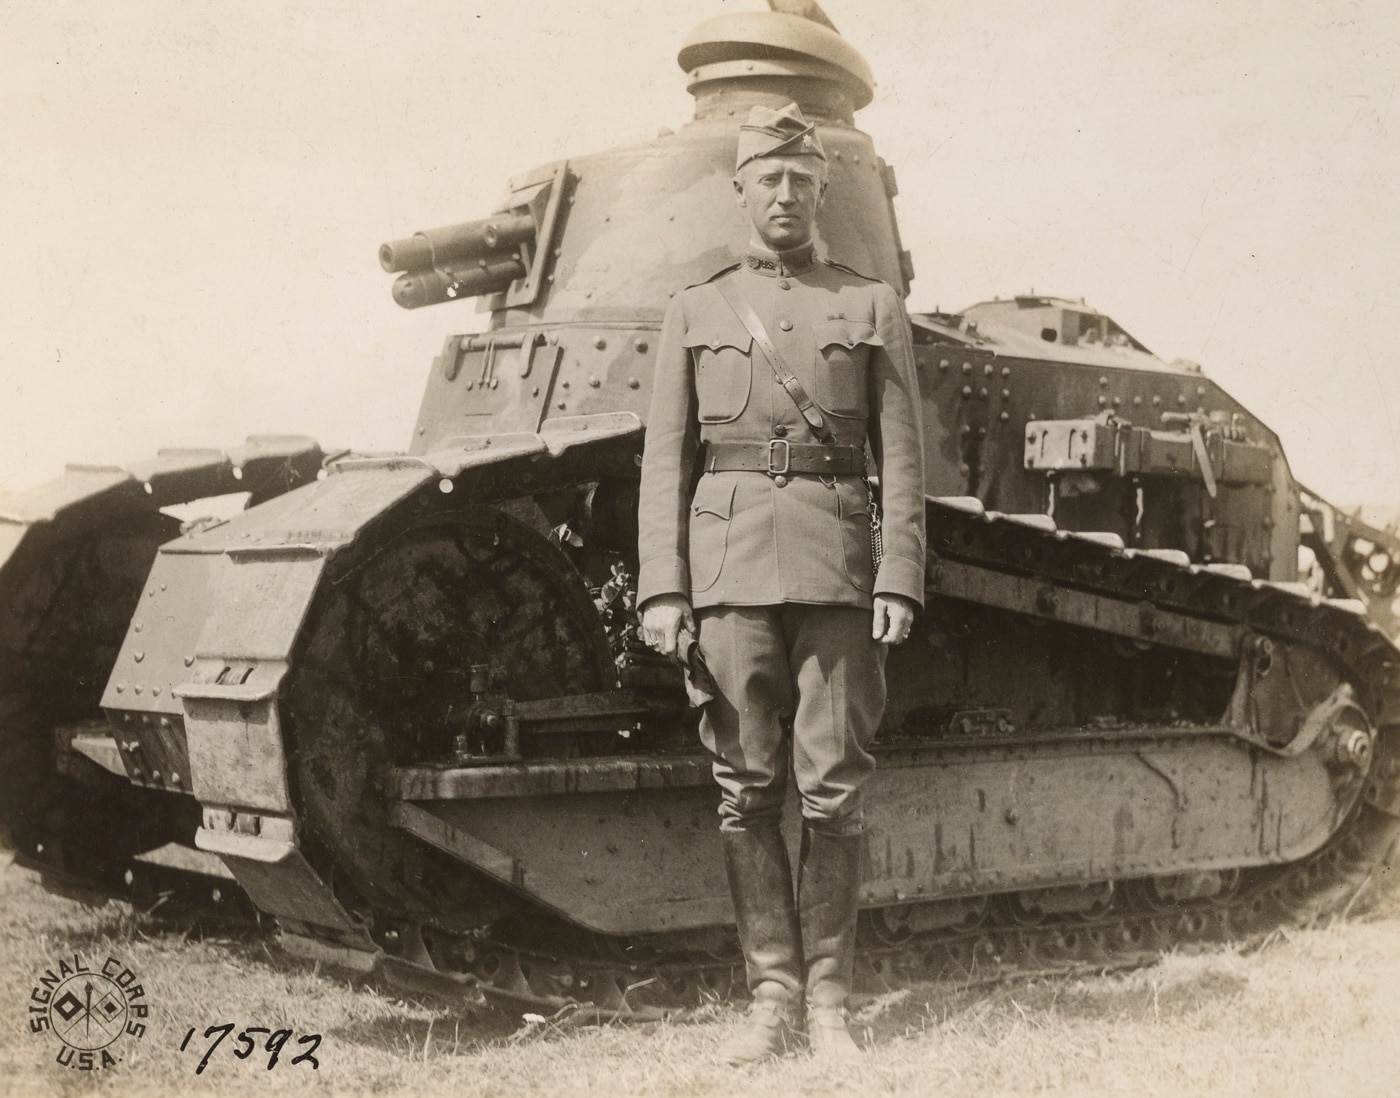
{"x": 894, "y": 617}
{"x": 663, "y": 618}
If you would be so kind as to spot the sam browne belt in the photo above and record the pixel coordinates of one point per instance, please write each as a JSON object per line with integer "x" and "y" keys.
{"x": 779, "y": 457}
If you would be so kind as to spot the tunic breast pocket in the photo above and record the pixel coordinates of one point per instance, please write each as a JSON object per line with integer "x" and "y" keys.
{"x": 723, "y": 370}
{"x": 843, "y": 366}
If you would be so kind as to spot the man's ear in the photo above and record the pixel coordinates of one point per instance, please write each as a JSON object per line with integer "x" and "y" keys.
{"x": 739, "y": 191}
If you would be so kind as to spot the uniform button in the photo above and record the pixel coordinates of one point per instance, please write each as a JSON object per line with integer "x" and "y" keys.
{"x": 785, "y": 325}
{"x": 780, "y": 481}
{"x": 784, "y": 284}
{"x": 780, "y": 431}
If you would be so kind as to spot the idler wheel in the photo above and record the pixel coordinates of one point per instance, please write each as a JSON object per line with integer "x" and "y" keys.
{"x": 382, "y": 677}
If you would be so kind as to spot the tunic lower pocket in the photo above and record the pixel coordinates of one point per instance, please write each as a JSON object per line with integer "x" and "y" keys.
{"x": 710, "y": 513}
{"x": 853, "y": 510}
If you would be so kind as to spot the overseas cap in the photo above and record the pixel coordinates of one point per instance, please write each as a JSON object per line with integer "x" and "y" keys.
{"x": 777, "y": 133}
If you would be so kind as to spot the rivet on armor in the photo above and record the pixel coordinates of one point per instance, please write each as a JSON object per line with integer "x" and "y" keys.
{"x": 981, "y": 432}
{"x": 601, "y": 343}
{"x": 633, "y": 383}
{"x": 1103, "y": 400}
{"x": 140, "y": 656}
{"x": 471, "y": 385}
{"x": 967, "y": 390}
{"x": 445, "y": 485}
{"x": 563, "y": 385}
{"x": 1137, "y": 401}
{"x": 593, "y": 382}
{"x": 1200, "y": 390}
{"x": 535, "y": 391}
{"x": 982, "y": 393}
{"x": 1006, "y": 371}
{"x": 1103, "y": 381}
{"x": 155, "y": 691}
{"x": 1005, "y": 416}
{"x": 1156, "y": 402}
{"x": 785, "y": 325}
{"x": 1181, "y": 399}
{"x": 189, "y": 661}
{"x": 561, "y": 405}
{"x": 967, "y": 367}
{"x": 1117, "y": 401}
{"x": 943, "y": 364}
{"x": 641, "y": 345}
{"x": 121, "y": 688}
{"x": 136, "y": 628}
{"x": 136, "y": 689}
{"x": 1006, "y": 394}
{"x": 987, "y": 369}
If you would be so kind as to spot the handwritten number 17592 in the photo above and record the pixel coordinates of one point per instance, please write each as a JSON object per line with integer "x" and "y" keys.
{"x": 247, "y": 1042}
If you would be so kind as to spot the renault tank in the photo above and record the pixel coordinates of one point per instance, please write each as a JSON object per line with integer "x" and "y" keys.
{"x": 398, "y": 708}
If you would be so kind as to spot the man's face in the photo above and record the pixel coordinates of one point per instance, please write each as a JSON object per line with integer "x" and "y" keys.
{"x": 781, "y": 195}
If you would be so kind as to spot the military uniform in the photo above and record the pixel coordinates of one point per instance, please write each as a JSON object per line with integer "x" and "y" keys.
{"x": 755, "y": 506}
{"x": 764, "y": 539}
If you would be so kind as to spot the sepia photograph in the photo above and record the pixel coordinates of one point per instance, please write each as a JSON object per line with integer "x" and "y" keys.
{"x": 749, "y": 547}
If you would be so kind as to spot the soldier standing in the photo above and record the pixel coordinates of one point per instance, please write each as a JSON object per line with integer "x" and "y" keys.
{"x": 755, "y": 537}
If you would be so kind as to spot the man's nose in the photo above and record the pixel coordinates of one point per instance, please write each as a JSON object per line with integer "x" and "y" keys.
{"x": 787, "y": 195}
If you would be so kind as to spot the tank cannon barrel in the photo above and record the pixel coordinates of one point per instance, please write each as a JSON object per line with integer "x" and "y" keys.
{"x": 460, "y": 244}
{"x": 434, "y": 285}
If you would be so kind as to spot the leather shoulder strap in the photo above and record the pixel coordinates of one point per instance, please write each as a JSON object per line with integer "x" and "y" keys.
{"x": 785, "y": 377}
{"x": 711, "y": 277}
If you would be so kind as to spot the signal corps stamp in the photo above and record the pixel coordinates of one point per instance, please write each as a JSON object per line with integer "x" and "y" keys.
{"x": 92, "y": 1011}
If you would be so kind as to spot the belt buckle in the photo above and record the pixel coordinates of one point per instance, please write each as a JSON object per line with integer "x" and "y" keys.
{"x": 773, "y": 444}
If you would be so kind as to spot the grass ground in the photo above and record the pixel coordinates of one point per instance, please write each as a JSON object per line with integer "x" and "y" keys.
{"x": 1316, "y": 1013}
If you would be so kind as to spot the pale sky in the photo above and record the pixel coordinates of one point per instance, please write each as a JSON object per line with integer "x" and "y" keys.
{"x": 192, "y": 195}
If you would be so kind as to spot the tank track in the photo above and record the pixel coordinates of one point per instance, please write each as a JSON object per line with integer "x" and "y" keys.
{"x": 602, "y": 980}
{"x": 989, "y": 950}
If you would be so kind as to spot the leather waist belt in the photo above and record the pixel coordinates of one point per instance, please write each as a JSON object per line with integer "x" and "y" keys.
{"x": 779, "y": 457}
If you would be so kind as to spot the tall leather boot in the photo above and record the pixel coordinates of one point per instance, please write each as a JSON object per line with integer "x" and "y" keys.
{"x": 828, "y": 893}
{"x": 760, "y": 880}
